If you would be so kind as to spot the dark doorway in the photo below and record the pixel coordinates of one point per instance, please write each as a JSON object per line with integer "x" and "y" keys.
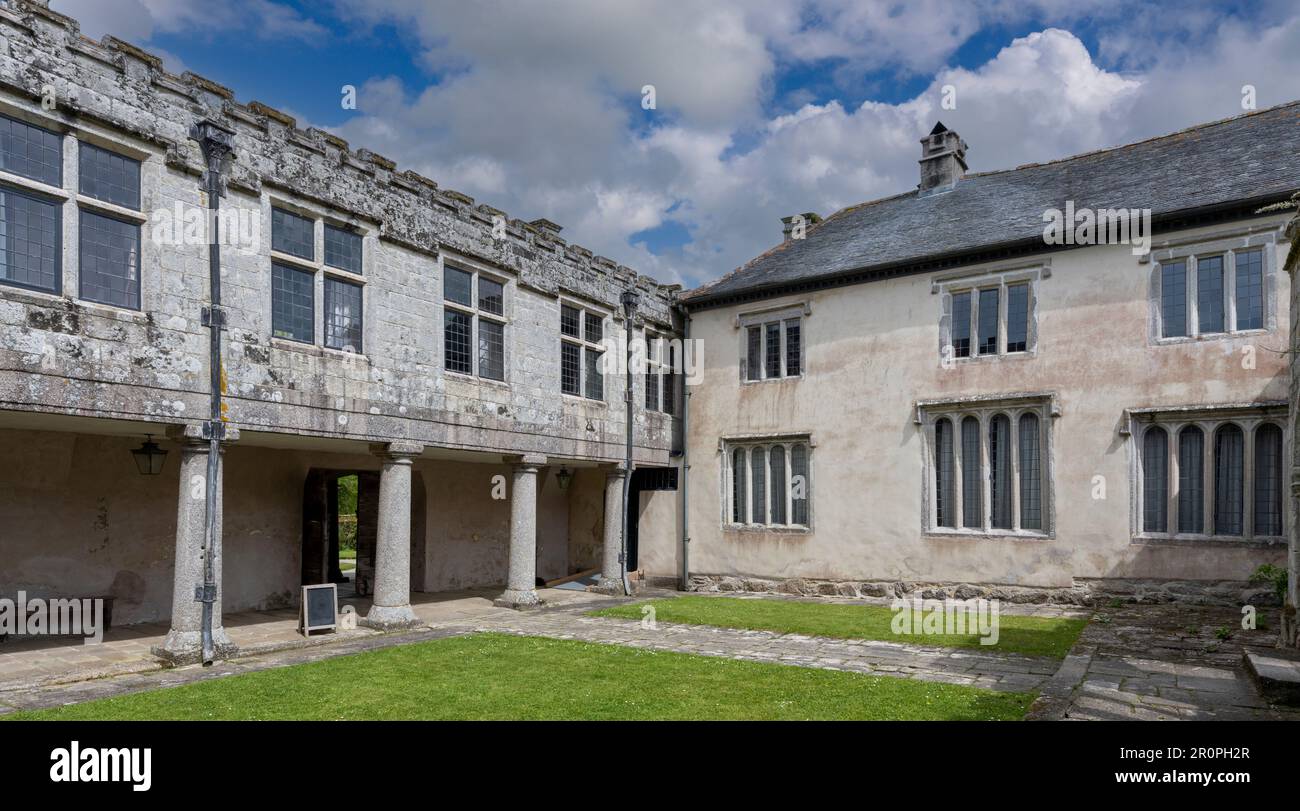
{"x": 340, "y": 529}
{"x": 339, "y": 524}
{"x": 643, "y": 479}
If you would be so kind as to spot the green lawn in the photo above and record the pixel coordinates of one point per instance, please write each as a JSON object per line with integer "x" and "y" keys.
{"x": 497, "y": 676}
{"x": 1032, "y": 636}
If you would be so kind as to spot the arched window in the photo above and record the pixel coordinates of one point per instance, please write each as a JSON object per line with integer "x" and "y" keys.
{"x": 800, "y": 485}
{"x": 758, "y": 482}
{"x": 738, "y": 515}
{"x": 770, "y": 484}
{"x": 1155, "y": 480}
{"x": 1191, "y": 480}
{"x": 972, "y": 511}
{"x": 1268, "y": 480}
{"x": 1000, "y": 471}
{"x": 1229, "y": 479}
{"x": 989, "y": 472}
{"x": 1031, "y": 473}
{"x": 776, "y": 464}
{"x": 945, "y": 478}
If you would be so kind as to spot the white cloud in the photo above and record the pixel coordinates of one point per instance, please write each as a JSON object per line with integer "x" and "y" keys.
{"x": 534, "y": 107}
{"x": 135, "y": 21}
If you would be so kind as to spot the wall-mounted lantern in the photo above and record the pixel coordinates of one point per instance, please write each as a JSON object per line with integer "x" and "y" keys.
{"x": 149, "y": 457}
{"x": 563, "y": 478}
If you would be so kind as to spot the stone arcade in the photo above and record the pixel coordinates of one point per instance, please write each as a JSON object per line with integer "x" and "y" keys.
{"x": 382, "y": 327}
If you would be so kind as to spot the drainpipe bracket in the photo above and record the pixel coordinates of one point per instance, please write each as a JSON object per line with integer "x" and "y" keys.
{"x": 213, "y": 429}
{"x": 214, "y": 316}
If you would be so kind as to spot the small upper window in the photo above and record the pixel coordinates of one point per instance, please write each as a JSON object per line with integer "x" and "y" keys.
{"x": 1216, "y": 291}
{"x": 491, "y": 296}
{"x": 31, "y": 152}
{"x": 773, "y": 347}
{"x": 293, "y": 234}
{"x": 343, "y": 249}
{"x": 109, "y": 176}
{"x": 988, "y": 316}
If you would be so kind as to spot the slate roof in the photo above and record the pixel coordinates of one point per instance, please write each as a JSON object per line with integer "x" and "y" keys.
{"x": 1250, "y": 157}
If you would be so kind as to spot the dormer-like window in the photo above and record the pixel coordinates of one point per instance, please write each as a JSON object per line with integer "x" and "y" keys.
{"x": 772, "y": 344}
{"x": 1214, "y": 289}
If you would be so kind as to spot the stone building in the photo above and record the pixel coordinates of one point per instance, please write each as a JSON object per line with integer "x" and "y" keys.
{"x": 1290, "y": 632}
{"x": 921, "y": 393}
{"x": 932, "y": 392}
{"x": 375, "y": 324}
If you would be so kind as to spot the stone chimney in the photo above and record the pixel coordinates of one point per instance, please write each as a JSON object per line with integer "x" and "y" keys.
{"x": 943, "y": 160}
{"x": 796, "y": 225}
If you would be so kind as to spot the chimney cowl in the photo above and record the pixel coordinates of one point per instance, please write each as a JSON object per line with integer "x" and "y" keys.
{"x": 795, "y": 226}
{"x": 943, "y": 160}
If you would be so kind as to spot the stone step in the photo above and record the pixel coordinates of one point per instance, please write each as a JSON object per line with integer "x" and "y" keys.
{"x": 1277, "y": 674}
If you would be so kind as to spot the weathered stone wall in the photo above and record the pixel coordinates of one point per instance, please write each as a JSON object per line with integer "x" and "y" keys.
{"x": 78, "y": 520}
{"x": 659, "y": 533}
{"x": 586, "y": 518}
{"x": 1082, "y": 592}
{"x": 60, "y": 353}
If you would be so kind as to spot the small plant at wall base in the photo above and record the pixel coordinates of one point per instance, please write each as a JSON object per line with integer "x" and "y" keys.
{"x": 1275, "y": 576}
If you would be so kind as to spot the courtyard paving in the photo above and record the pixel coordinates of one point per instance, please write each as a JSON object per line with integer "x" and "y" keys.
{"x": 1137, "y": 662}
{"x": 1007, "y": 672}
{"x": 1164, "y": 662}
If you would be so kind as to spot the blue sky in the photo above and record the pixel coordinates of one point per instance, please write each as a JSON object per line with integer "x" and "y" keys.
{"x": 764, "y": 108}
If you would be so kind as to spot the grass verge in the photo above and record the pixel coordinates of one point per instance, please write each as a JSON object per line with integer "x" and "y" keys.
{"x": 498, "y": 676}
{"x": 1031, "y": 636}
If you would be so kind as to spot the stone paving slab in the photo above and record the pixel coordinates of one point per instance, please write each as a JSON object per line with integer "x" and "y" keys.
{"x": 1161, "y": 662}
{"x": 993, "y": 671}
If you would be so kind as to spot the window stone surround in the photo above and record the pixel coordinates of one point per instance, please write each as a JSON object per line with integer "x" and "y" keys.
{"x": 727, "y": 445}
{"x": 780, "y": 314}
{"x": 984, "y": 408}
{"x": 1226, "y": 244}
{"x": 998, "y": 277}
{"x": 1248, "y": 417}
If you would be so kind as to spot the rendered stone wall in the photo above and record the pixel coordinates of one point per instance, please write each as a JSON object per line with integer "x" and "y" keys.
{"x": 872, "y": 354}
